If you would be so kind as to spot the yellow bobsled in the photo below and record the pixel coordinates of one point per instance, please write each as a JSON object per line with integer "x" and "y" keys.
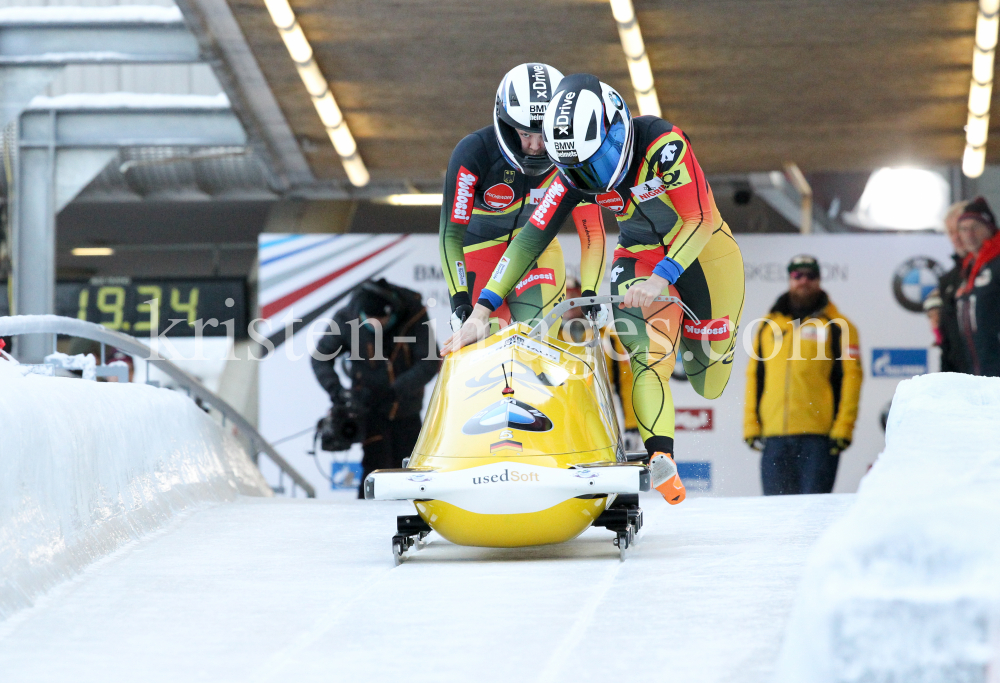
{"x": 520, "y": 446}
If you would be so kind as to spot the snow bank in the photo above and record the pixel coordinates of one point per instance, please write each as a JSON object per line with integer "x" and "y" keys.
{"x": 86, "y": 467}
{"x": 906, "y": 586}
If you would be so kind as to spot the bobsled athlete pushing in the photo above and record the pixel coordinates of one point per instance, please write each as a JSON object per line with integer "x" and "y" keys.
{"x": 677, "y": 277}
{"x": 520, "y": 446}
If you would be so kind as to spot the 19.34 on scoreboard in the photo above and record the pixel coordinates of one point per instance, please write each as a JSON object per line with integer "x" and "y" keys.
{"x": 138, "y": 306}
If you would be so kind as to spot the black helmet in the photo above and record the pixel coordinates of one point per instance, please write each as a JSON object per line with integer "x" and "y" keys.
{"x": 522, "y": 99}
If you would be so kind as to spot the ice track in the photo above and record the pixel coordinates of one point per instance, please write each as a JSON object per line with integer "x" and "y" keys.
{"x": 279, "y": 590}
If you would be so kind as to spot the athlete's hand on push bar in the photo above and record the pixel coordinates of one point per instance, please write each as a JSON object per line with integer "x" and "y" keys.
{"x": 644, "y": 293}
{"x": 474, "y": 329}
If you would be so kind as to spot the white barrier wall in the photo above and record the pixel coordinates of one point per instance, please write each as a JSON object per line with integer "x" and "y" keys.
{"x": 871, "y": 278}
{"x": 906, "y": 587}
{"x": 87, "y": 467}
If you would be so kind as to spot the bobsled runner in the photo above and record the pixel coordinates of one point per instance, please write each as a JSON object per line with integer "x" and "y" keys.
{"x": 520, "y": 446}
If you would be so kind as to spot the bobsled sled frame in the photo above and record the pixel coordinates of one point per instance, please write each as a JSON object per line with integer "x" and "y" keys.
{"x": 622, "y": 515}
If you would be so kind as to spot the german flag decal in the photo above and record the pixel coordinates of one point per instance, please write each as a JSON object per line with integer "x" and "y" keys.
{"x": 506, "y": 445}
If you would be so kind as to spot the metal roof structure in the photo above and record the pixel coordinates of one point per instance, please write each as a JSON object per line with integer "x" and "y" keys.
{"x": 844, "y": 86}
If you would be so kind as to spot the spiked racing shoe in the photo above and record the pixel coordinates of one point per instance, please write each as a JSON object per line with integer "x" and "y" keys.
{"x": 665, "y": 479}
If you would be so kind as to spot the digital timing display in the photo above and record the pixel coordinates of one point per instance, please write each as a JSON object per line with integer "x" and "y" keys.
{"x": 134, "y": 305}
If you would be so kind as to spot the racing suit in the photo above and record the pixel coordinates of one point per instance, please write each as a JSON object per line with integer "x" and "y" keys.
{"x": 485, "y": 199}
{"x": 669, "y": 224}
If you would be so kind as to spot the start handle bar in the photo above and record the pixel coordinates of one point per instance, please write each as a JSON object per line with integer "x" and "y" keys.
{"x": 558, "y": 312}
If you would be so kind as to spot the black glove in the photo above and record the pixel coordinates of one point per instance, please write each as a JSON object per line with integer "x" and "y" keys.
{"x": 839, "y": 445}
{"x": 755, "y": 442}
{"x": 461, "y": 305}
{"x": 591, "y": 311}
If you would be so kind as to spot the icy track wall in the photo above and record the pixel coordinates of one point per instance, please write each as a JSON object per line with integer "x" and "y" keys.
{"x": 906, "y": 586}
{"x": 87, "y": 467}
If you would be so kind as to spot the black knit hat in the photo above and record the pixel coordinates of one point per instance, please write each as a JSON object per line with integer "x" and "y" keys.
{"x": 804, "y": 262}
{"x": 375, "y": 299}
{"x": 979, "y": 210}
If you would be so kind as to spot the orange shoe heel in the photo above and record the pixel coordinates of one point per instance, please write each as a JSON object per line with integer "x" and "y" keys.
{"x": 663, "y": 473}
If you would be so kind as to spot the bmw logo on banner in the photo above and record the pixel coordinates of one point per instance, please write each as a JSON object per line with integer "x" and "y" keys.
{"x": 507, "y": 413}
{"x": 914, "y": 280}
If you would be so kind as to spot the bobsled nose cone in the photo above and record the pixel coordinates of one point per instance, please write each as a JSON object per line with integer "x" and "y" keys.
{"x": 665, "y": 479}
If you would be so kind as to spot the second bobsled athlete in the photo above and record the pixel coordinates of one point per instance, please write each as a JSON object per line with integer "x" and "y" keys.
{"x": 494, "y": 177}
{"x": 672, "y": 241}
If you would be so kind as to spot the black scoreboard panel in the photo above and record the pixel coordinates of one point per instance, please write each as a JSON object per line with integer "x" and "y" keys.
{"x": 133, "y": 306}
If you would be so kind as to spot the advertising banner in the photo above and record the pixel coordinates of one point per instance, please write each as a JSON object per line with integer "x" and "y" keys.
{"x": 877, "y": 281}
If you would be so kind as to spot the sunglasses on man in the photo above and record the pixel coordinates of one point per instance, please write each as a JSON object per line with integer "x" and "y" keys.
{"x": 804, "y": 275}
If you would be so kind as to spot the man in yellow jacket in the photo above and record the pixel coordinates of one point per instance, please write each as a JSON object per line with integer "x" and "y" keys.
{"x": 803, "y": 386}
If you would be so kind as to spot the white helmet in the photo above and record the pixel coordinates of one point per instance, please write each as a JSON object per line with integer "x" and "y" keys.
{"x": 522, "y": 98}
{"x": 588, "y": 133}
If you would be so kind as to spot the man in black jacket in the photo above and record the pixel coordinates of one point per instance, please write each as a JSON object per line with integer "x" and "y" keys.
{"x": 389, "y": 359}
{"x": 979, "y": 295}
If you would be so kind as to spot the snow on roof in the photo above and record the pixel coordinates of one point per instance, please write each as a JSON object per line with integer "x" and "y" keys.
{"x": 129, "y": 100}
{"x": 144, "y": 14}
{"x": 62, "y": 58}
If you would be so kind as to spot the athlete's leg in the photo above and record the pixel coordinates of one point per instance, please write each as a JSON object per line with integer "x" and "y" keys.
{"x": 480, "y": 261}
{"x": 541, "y": 288}
{"x": 651, "y": 336}
{"x": 713, "y": 287}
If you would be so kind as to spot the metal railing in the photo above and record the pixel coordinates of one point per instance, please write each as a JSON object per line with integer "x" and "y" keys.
{"x": 54, "y": 324}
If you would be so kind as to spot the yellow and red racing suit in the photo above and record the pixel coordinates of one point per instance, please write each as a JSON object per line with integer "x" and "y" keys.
{"x": 485, "y": 200}
{"x": 669, "y": 225}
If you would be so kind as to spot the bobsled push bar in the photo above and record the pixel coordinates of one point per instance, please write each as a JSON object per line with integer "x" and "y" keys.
{"x": 548, "y": 321}
{"x": 505, "y": 488}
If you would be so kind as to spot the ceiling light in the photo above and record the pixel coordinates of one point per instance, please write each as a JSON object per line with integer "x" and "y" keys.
{"x": 93, "y": 251}
{"x": 329, "y": 112}
{"x": 902, "y": 199}
{"x": 981, "y": 88}
{"x": 357, "y": 173}
{"x": 319, "y": 90}
{"x": 647, "y": 102}
{"x": 415, "y": 199}
{"x": 974, "y": 161}
{"x": 343, "y": 141}
{"x": 976, "y": 130}
{"x": 281, "y": 13}
{"x": 635, "y": 54}
{"x": 642, "y": 75}
{"x": 298, "y": 46}
{"x": 313, "y": 78}
{"x": 979, "y": 97}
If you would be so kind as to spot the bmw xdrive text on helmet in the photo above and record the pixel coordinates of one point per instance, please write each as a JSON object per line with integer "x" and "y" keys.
{"x": 588, "y": 133}
{"x": 522, "y": 98}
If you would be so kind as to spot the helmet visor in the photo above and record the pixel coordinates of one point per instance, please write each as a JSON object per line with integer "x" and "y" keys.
{"x": 596, "y": 174}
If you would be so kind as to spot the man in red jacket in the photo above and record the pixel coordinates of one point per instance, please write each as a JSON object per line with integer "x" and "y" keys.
{"x": 978, "y": 297}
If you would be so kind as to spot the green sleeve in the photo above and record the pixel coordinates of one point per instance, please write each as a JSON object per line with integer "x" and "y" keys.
{"x": 541, "y": 228}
